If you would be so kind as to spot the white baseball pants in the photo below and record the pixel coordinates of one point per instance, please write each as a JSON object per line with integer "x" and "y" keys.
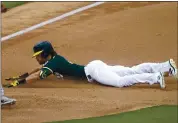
{"x": 120, "y": 76}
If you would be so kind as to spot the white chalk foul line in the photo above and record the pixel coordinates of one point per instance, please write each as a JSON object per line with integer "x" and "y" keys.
{"x": 50, "y": 21}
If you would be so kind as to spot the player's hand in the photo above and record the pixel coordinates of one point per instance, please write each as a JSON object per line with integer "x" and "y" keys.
{"x": 12, "y": 78}
{"x": 17, "y": 77}
{"x": 12, "y": 84}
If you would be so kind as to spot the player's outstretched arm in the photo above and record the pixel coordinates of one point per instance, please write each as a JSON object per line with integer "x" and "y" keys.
{"x": 41, "y": 74}
{"x": 33, "y": 77}
{"x": 35, "y": 70}
{"x": 25, "y": 75}
{"x": 30, "y": 78}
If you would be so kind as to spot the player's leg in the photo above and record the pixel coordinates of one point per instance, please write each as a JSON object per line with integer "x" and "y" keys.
{"x": 152, "y": 67}
{"x": 2, "y": 91}
{"x": 101, "y": 73}
{"x": 168, "y": 66}
{"x": 6, "y": 100}
{"x": 122, "y": 70}
{"x": 108, "y": 77}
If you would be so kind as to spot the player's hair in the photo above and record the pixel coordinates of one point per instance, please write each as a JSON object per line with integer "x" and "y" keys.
{"x": 53, "y": 53}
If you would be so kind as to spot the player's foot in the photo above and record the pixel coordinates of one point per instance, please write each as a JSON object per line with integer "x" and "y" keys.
{"x": 161, "y": 80}
{"x": 7, "y": 101}
{"x": 173, "y": 68}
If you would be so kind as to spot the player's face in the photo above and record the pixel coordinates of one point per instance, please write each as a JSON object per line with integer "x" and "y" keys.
{"x": 40, "y": 59}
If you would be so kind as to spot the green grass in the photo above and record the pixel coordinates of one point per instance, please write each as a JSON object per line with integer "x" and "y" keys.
{"x": 157, "y": 114}
{"x": 10, "y": 5}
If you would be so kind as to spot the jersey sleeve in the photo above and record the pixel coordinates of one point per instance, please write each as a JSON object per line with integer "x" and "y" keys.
{"x": 45, "y": 72}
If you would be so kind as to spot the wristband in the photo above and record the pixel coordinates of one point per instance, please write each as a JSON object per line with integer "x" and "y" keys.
{"x": 22, "y": 81}
{"x": 24, "y": 75}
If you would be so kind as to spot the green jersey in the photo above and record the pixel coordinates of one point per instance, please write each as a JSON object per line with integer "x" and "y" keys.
{"x": 59, "y": 65}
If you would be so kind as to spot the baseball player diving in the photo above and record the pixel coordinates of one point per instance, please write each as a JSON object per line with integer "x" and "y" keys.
{"x": 117, "y": 76}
